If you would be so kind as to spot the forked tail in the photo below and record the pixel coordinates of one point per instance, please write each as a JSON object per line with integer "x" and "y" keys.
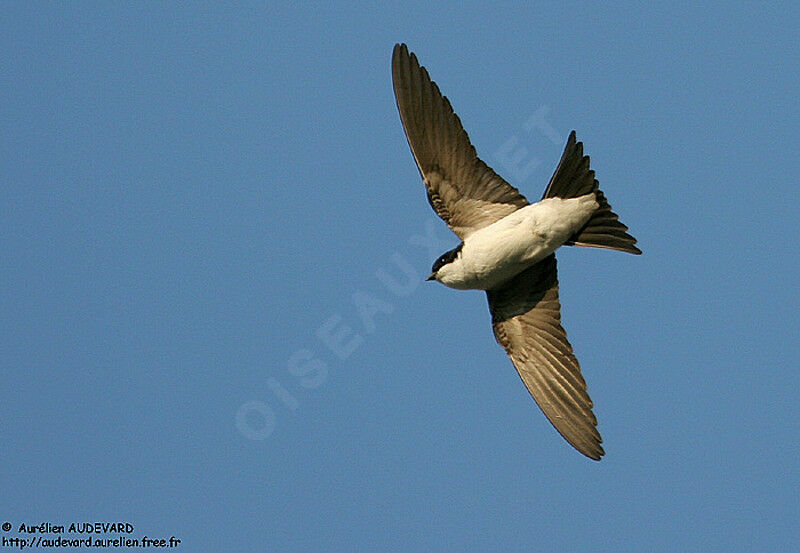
{"x": 572, "y": 179}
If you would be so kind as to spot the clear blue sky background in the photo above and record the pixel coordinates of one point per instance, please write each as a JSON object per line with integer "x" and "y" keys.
{"x": 191, "y": 196}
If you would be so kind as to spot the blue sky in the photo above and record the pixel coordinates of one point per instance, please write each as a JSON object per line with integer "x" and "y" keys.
{"x": 214, "y": 324}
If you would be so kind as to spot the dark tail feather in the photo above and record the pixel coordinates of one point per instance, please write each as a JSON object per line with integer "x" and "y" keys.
{"x": 604, "y": 230}
{"x": 573, "y": 179}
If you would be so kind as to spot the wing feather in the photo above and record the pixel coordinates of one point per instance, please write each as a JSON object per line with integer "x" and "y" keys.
{"x": 465, "y": 192}
{"x": 526, "y": 320}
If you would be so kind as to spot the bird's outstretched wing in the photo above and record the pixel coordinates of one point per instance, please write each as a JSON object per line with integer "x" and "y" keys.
{"x": 462, "y": 189}
{"x": 526, "y": 318}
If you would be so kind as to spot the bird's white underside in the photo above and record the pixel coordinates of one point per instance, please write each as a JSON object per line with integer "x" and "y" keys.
{"x": 492, "y": 255}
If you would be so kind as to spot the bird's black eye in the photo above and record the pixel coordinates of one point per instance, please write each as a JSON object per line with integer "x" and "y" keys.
{"x": 447, "y": 257}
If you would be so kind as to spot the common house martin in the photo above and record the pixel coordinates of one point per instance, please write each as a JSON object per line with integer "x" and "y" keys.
{"x": 508, "y": 244}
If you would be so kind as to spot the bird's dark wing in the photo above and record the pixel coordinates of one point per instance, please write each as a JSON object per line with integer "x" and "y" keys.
{"x": 526, "y": 318}
{"x": 462, "y": 189}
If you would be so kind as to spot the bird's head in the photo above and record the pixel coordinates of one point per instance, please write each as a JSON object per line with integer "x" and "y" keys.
{"x": 443, "y": 266}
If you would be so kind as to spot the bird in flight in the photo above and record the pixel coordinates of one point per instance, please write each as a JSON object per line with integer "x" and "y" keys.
{"x": 508, "y": 244}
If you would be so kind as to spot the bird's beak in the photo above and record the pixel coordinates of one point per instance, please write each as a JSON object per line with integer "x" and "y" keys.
{"x": 431, "y": 276}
